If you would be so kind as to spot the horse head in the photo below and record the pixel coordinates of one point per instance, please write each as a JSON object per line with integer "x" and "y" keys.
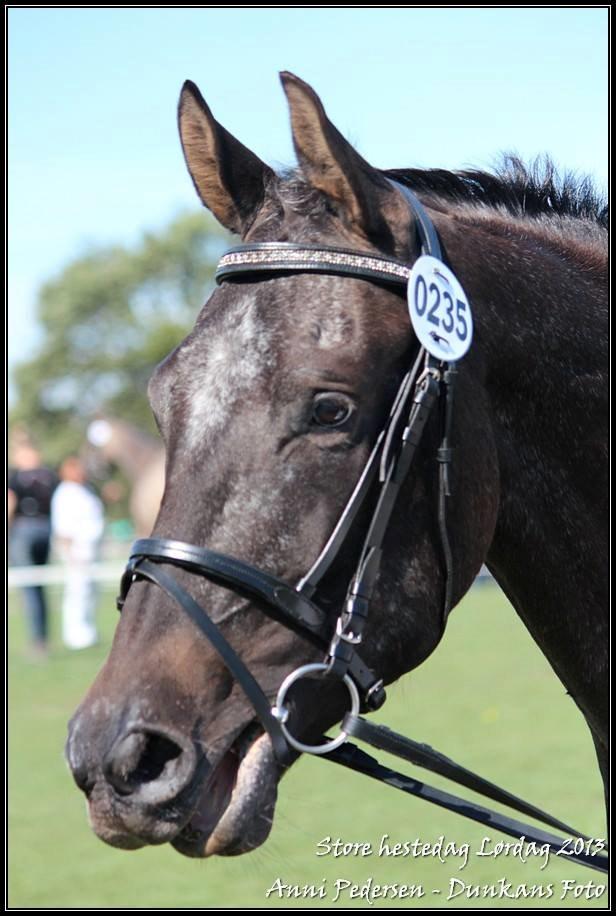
{"x": 270, "y": 410}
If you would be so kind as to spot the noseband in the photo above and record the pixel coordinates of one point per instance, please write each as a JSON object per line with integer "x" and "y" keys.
{"x": 428, "y": 383}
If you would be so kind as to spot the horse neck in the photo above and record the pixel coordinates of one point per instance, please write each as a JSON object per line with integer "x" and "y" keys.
{"x": 542, "y": 322}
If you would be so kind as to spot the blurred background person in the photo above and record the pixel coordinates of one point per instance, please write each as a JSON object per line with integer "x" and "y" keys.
{"x": 30, "y": 489}
{"x": 78, "y": 522}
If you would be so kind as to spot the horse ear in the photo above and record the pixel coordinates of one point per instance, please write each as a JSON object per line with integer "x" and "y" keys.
{"x": 329, "y": 161}
{"x": 228, "y": 177}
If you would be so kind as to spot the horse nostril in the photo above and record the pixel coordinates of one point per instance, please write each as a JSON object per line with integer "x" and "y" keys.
{"x": 152, "y": 763}
{"x": 83, "y": 777}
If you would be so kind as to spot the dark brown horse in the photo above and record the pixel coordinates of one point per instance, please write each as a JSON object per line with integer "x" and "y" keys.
{"x": 269, "y": 410}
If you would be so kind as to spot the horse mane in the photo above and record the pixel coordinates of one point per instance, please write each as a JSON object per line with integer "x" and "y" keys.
{"x": 522, "y": 190}
{"x": 565, "y": 211}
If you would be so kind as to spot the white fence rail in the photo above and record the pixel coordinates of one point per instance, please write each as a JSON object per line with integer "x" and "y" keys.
{"x": 19, "y": 576}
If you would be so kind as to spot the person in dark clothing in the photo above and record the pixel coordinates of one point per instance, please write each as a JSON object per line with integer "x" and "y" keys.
{"x": 30, "y": 488}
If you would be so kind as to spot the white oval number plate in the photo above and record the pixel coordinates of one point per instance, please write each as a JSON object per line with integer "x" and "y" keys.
{"x": 440, "y": 313}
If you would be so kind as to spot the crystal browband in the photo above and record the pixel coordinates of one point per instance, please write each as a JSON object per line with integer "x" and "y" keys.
{"x": 281, "y": 256}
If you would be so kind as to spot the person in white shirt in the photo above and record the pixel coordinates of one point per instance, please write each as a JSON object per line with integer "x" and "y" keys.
{"x": 77, "y": 522}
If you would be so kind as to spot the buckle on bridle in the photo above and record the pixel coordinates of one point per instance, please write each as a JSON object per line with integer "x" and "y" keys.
{"x": 429, "y": 372}
{"x": 376, "y": 696}
{"x": 347, "y": 635}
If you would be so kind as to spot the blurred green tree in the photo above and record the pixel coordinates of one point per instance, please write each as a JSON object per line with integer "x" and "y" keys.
{"x": 108, "y": 318}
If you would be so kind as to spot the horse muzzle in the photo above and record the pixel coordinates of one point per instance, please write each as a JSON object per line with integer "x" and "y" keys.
{"x": 154, "y": 785}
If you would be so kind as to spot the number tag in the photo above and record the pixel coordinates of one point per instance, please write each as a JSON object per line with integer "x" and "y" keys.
{"x": 440, "y": 313}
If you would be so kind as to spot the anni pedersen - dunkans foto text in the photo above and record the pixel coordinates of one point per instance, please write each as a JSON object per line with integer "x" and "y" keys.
{"x": 341, "y": 889}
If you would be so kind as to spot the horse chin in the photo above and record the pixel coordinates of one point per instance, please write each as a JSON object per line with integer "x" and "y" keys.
{"x": 235, "y": 811}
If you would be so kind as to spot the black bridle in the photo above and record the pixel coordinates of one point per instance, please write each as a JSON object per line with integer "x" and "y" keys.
{"x": 427, "y": 383}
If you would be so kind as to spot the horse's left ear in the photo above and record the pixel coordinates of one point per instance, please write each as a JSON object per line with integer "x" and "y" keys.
{"x": 228, "y": 177}
{"x": 331, "y": 164}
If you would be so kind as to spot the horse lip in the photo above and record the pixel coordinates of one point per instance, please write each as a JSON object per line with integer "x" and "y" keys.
{"x": 132, "y": 821}
{"x": 241, "y": 818}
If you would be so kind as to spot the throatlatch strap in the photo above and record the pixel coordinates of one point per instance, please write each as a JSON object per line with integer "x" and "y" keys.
{"x": 428, "y": 236}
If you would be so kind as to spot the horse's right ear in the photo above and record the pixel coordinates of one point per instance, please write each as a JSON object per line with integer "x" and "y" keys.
{"x": 229, "y": 179}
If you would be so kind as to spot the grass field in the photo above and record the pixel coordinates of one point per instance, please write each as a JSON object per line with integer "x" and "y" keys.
{"x": 487, "y": 698}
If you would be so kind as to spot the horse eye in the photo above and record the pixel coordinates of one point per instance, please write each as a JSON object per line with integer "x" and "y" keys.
{"x": 331, "y": 410}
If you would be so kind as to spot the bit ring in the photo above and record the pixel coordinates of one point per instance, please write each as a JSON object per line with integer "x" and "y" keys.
{"x": 281, "y": 712}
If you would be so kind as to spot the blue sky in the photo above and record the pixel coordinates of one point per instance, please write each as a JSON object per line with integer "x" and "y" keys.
{"x": 93, "y": 149}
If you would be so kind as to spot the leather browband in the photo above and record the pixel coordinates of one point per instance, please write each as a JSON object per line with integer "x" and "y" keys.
{"x": 277, "y": 257}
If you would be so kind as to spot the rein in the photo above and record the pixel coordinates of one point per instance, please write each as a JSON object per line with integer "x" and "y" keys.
{"x": 429, "y": 382}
